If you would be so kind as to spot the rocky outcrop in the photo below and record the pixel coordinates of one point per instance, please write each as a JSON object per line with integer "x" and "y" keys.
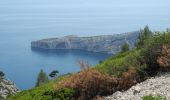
{"x": 159, "y": 85}
{"x": 7, "y": 87}
{"x": 105, "y": 43}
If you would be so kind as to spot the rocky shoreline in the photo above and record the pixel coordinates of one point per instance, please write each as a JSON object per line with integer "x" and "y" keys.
{"x": 7, "y": 88}
{"x": 159, "y": 85}
{"x": 105, "y": 43}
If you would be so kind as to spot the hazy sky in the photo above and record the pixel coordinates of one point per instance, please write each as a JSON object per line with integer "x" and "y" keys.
{"x": 82, "y": 16}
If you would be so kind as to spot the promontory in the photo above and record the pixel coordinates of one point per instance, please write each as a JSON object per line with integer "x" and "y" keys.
{"x": 104, "y": 43}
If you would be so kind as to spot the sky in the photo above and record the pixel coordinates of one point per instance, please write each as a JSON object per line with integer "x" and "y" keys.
{"x": 82, "y": 17}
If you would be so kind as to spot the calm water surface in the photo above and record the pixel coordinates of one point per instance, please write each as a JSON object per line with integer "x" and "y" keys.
{"x": 22, "y": 21}
{"x": 21, "y": 64}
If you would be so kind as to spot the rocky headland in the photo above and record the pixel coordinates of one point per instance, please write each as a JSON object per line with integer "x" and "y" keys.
{"x": 104, "y": 43}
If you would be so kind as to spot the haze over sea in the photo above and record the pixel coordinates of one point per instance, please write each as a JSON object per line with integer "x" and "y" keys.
{"x": 22, "y": 21}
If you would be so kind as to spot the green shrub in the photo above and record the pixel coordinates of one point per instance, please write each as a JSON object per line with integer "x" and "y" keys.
{"x": 150, "y": 97}
{"x": 115, "y": 66}
{"x": 151, "y": 50}
{"x": 42, "y": 78}
{"x": 125, "y": 47}
{"x": 37, "y": 93}
{"x": 140, "y": 58}
{"x": 62, "y": 94}
{"x": 145, "y": 34}
{"x": 66, "y": 94}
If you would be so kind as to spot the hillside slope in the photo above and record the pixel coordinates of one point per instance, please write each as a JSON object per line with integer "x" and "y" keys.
{"x": 159, "y": 85}
{"x": 117, "y": 73}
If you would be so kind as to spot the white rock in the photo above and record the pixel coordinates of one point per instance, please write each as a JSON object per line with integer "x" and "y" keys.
{"x": 159, "y": 85}
{"x": 7, "y": 87}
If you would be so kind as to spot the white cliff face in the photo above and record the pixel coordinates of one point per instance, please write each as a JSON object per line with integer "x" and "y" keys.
{"x": 7, "y": 87}
{"x": 159, "y": 85}
{"x": 106, "y": 43}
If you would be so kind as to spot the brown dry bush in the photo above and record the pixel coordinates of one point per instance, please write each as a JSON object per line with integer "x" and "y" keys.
{"x": 128, "y": 79}
{"x": 164, "y": 57}
{"x": 89, "y": 83}
{"x": 83, "y": 64}
{"x": 158, "y": 58}
{"x": 98, "y": 98}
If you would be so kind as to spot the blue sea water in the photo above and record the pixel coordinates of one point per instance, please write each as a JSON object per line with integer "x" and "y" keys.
{"x": 23, "y": 21}
{"x": 22, "y": 64}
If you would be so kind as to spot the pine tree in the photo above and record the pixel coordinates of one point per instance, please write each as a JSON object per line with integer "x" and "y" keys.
{"x": 54, "y": 73}
{"x": 42, "y": 78}
{"x": 145, "y": 34}
{"x": 125, "y": 47}
{"x": 2, "y": 74}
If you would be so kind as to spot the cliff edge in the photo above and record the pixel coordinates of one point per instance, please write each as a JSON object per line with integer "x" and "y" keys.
{"x": 104, "y": 43}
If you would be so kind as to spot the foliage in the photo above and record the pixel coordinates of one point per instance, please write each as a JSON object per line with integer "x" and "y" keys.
{"x": 141, "y": 59}
{"x": 83, "y": 64}
{"x": 145, "y": 34}
{"x": 54, "y": 73}
{"x": 152, "y": 50}
{"x": 2, "y": 74}
{"x": 62, "y": 94}
{"x": 120, "y": 63}
{"x": 38, "y": 93}
{"x": 128, "y": 79}
{"x": 89, "y": 83}
{"x": 42, "y": 78}
{"x": 125, "y": 47}
{"x": 33, "y": 94}
{"x": 150, "y": 97}
{"x": 66, "y": 94}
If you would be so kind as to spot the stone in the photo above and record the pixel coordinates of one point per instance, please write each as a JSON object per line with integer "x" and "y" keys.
{"x": 159, "y": 85}
{"x": 7, "y": 87}
{"x": 136, "y": 90}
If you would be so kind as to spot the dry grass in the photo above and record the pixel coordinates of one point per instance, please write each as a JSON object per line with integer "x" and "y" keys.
{"x": 83, "y": 64}
{"x": 92, "y": 84}
{"x": 164, "y": 56}
{"x": 89, "y": 83}
{"x": 128, "y": 79}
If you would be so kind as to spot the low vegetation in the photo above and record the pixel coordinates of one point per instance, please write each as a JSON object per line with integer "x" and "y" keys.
{"x": 42, "y": 78}
{"x": 53, "y": 74}
{"x": 119, "y": 72}
{"x": 150, "y": 97}
{"x": 40, "y": 92}
{"x": 88, "y": 84}
{"x": 125, "y": 47}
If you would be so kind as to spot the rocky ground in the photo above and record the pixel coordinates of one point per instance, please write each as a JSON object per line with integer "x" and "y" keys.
{"x": 7, "y": 87}
{"x": 159, "y": 85}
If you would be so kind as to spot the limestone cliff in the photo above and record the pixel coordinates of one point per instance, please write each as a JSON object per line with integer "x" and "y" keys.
{"x": 104, "y": 43}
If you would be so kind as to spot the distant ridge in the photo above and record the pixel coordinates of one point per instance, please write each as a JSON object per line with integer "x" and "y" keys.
{"x": 102, "y": 43}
